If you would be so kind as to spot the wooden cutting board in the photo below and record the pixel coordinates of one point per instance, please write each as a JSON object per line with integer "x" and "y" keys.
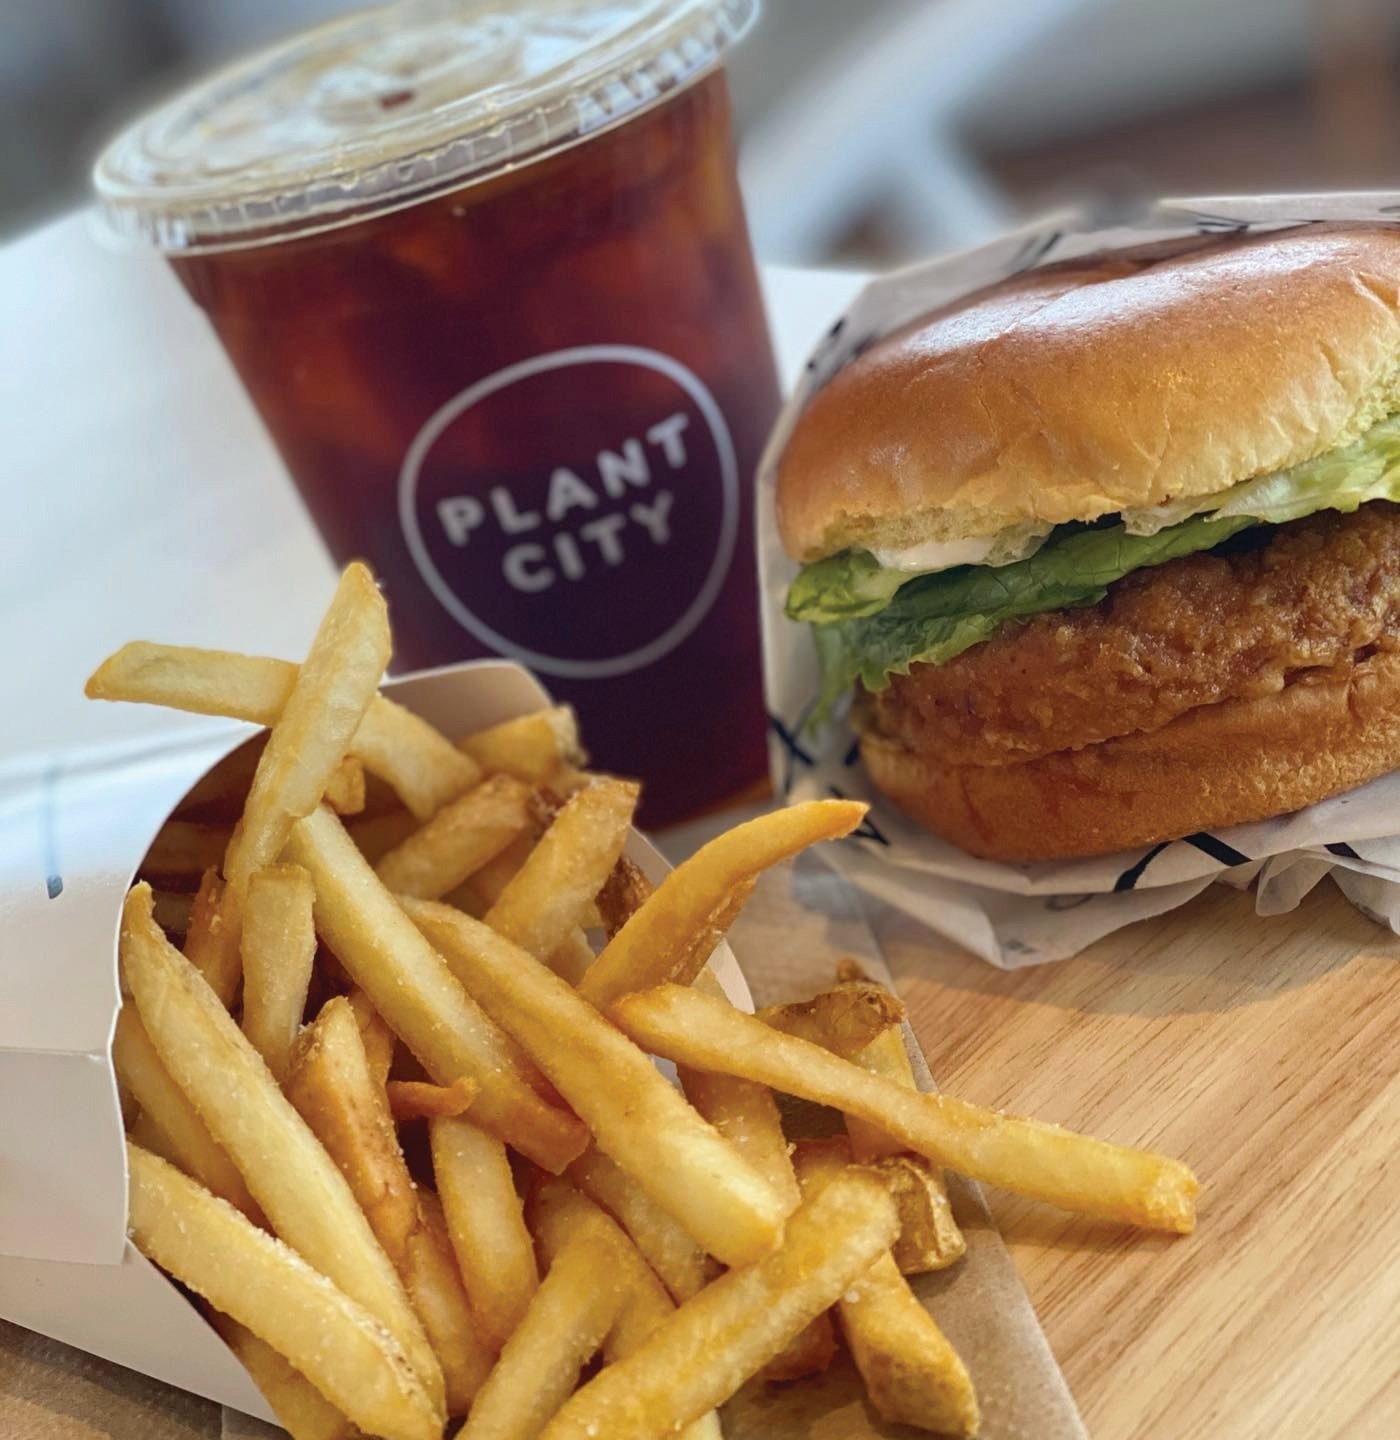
{"x": 1266, "y": 1053}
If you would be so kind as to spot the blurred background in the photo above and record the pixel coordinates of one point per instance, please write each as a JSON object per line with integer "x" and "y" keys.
{"x": 873, "y": 131}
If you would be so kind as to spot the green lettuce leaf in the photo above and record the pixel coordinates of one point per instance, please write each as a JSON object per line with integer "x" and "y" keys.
{"x": 1368, "y": 469}
{"x": 932, "y": 618}
{"x": 843, "y": 587}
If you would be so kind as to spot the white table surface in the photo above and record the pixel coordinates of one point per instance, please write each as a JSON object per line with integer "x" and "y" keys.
{"x": 140, "y": 495}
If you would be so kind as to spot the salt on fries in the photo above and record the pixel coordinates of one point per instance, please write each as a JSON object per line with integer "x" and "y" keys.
{"x": 398, "y": 1128}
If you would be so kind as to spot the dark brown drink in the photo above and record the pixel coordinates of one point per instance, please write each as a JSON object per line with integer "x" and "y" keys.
{"x": 534, "y": 403}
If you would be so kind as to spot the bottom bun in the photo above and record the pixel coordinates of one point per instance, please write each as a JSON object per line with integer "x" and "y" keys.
{"x": 1228, "y": 764}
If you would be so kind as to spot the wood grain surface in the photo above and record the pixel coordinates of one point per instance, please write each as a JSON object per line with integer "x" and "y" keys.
{"x": 1266, "y": 1053}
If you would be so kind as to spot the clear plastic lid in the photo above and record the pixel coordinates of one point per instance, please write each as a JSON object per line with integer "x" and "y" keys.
{"x": 390, "y": 106}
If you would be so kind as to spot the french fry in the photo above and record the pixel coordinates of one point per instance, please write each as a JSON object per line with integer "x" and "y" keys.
{"x": 747, "y": 1116}
{"x": 548, "y": 896}
{"x": 169, "y": 1121}
{"x": 624, "y": 892}
{"x": 636, "y": 1117}
{"x": 912, "y": 1375}
{"x": 173, "y": 911}
{"x": 1028, "y": 1157}
{"x": 577, "y": 1303}
{"x": 378, "y": 1039}
{"x": 862, "y": 1022}
{"x": 677, "y": 1260}
{"x": 422, "y": 764}
{"x": 182, "y": 851}
{"x": 668, "y": 938}
{"x": 423, "y": 1003}
{"x": 345, "y": 789}
{"x": 425, "y": 769}
{"x": 486, "y": 1225}
{"x": 295, "y": 1183}
{"x": 485, "y": 888}
{"x": 560, "y": 1214}
{"x": 302, "y": 1411}
{"x": 264, "y": 1285}
{"x": 458, "y": 840}
{"x": 435, "y": 1286}
{"x": 207, "y": 944}
{"x": 335, "y": 1092}
{"x": 844, "y": 1019}
{"x": 334, "y": 687}
{"x": 422, "y": 1100}
{"x": 700, "y": 1356}
{"x": 929, "y": 1237}
{"x": 375, "y": 836}
{"x": 531, "y": 747}
{"x": 278, "y": 947}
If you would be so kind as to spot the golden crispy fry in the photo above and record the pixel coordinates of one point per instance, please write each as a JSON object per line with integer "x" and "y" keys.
{"x": 378, "y": 1039}
{"x": 929, "y": 1237}
{"x": 912, "y": 1374}
{"x": 173, "y": 911}
{"x": 333, "y": 1087}
{"x": 486, "y": 1225}
{"x": 422, "y": 1100}
{"x": 843, "y": 1020}
{"x": 458, "y": 840}
{"x": 335, "y": 1092}
{"x": 379, "y": 834}
{"x": 559, "y": 1214}
{"x": 577, "y": 1303}
{"x": 168, "y": 1120}
{"x": 261, "y": 1283}
{"x": 1025, "y": 1156}
{"x": 700, "y": 1356}
{"x": 182, "y": 851}
{"x": 747, "y": 1116}
{"x": 624, "y": 892}
{"x": 548, "y": 896}
{"x": 210, "y": 946}
{"x": 530, "y": 747}
{"x": 425, "y": 1005}
{"x": 423, "y": 766}
{"x": 278, "y": 946}
{"x": 302, "y": 1411}
{"x": 421, "y": 763}
{"x": 345, "y": 790}
{"x": 664, "y": 939}
{"x": 481, "y": 892}
{"x": 297, "y": 1185}
{"x": 334, "y": 687}
{"x": 637, "y": 1118}
{"x": 672, "y": 1254}
{"x": 435, "y": 1286}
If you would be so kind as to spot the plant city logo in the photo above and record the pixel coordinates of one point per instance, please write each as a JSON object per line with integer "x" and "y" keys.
{"x": 579, "y": 544}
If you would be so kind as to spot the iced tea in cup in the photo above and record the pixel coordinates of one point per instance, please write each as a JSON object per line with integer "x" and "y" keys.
{"x": 484, "y": 270}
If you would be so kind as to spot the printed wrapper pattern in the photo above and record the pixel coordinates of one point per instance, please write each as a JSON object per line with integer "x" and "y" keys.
{"x": 1024, "y": 914}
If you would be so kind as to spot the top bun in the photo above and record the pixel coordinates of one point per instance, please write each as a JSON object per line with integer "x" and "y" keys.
{"x": 1127, "y": 378}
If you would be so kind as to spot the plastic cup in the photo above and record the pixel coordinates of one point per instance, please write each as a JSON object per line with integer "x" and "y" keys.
{"x": 485, "y": 273}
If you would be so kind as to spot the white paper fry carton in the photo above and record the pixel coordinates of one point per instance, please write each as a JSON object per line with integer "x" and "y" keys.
{"x": 1023, "y": 914}
{"x": 71, "y": 839}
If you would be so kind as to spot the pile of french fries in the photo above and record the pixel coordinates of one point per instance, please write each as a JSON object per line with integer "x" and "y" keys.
{"x": 385, "y": 1052}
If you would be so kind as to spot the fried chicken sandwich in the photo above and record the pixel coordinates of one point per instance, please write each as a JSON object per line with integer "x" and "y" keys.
{"x": 1109, "y": 553}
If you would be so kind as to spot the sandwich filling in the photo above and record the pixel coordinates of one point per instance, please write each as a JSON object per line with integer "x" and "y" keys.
{"x": 873, "y": 620}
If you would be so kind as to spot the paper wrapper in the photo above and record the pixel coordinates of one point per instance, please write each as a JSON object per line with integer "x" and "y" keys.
{"x": 76, "y": 830}
{"x": 1023, "y": 914}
